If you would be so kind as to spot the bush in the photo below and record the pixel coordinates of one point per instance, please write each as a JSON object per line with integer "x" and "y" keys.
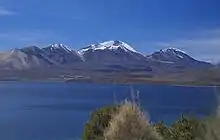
{"x": 130, "y": 123}
{"x": 183, "y": 129}
{"x": 98, "y": 121}
{"x": 190, "y": 129}
{"x": 187, "y": 129}
{"x": 163, "y": 130}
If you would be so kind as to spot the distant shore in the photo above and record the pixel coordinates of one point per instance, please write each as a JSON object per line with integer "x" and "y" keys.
{"x": 118, "y": 81}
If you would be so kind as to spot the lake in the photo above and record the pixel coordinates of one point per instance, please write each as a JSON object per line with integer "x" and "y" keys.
{"x": 57, "y": 111}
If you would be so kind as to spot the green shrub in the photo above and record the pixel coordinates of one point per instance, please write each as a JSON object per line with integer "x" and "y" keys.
{"x": 163, "y": 130}
{"x": 98, "y": 121}
{"x": 187, "y": 129}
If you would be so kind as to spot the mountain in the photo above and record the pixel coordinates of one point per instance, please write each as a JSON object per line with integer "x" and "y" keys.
{"x": 58, "y": 48}
{"x": 19, "y": 59}
{"x": 55, "y": 55}
{"x": 115, "y": 55}
{"x": 38, "y": 53}
{"x": 62, "y": 54}
{"x": 110, "y": 51}
{"x": 176, "y": 58}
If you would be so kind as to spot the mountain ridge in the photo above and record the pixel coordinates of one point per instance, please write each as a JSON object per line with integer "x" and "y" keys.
{"x": 78, "y": 50}
{"x": 96, "y": 60}
{"x": 116, "y": 51}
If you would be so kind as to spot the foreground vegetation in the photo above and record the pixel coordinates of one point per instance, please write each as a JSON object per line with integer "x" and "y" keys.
{"x": 128, "y": 122}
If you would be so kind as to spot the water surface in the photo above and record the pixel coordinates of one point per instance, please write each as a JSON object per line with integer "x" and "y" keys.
{"x": 57, "y": 111}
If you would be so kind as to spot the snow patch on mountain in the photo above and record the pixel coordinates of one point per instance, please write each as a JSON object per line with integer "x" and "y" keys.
{"x": 60, "y": 46}
{"x": 172, "y": 49}
{"x": 109, "y": 45}
{"x": 166, "y": 62}
{"x": 118, "y": 44}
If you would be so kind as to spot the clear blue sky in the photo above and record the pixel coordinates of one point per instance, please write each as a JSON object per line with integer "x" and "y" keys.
{"x": 147, "y": 25}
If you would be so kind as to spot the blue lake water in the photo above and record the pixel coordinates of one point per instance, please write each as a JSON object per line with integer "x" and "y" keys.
{"x": 57, "y": 111}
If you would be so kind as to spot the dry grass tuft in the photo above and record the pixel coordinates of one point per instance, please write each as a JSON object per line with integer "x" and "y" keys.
{"x": 130, "y": 123}
{"x": 212, "y": 131}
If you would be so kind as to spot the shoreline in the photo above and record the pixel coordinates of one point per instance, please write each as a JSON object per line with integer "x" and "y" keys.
{"x": 130, "y": 82}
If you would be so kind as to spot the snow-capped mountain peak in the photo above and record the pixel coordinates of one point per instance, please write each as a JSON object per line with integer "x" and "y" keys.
{"x": 60, "y": 46}
{"x": 172, "y": 49}
{"x": 174, "y": 52}
{"x": 109, "y": 45}
{"x": 118, "y": 44}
